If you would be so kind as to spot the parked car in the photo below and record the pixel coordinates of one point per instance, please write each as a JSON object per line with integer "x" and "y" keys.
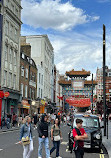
{"x": 91, "y": 124}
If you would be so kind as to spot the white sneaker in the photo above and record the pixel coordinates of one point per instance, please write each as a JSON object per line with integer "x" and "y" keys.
{"x": 39, "y": 157}
{"x": 59, "y": 157}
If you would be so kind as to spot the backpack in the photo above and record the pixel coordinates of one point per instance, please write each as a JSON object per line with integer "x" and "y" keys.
{"x": 71, "y": 141}
{"x": 77, "y": 142}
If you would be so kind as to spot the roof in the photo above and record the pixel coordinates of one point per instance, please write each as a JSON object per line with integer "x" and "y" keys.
{"x": 68, "y": 82}
{"x": 90, "y": 82}
{"x": 78, "y": 73}
{"x": 64, "y": 82}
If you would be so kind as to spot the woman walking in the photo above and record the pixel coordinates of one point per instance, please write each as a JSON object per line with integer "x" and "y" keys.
{"x": 56, "y": 137}
{"x": 26, "y": 137}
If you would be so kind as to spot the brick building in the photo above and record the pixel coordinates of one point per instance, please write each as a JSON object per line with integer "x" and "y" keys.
{"x": 99, "y": 87}
{"x": 28, "y": 80}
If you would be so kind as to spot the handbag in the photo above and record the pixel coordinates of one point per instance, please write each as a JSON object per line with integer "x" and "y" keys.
{"x": 57, "y": 138}
{"x": 25, "y": 141}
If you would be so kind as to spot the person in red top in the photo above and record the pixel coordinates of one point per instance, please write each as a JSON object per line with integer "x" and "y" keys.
{"x": 79, "y": 135}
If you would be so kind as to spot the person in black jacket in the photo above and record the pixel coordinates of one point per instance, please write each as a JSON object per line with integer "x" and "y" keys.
{"x": 43, "y": 136}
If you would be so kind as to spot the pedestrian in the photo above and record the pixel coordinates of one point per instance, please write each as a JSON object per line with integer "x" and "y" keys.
{"x": 35, "y": 120}
{"x": 79, "y": 135}
{"x": 43, "y": 136}
{"x": 26, "y": 134}
{"x": 56, "y": 136}
{"x": 14, "y": 119}
{"x": 2, "y": 122}
{"x": 19, "y": 120}
{"x": 65, "y": 119}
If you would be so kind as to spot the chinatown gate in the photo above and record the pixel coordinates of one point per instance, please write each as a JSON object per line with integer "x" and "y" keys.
{"x": 76, "y": 89}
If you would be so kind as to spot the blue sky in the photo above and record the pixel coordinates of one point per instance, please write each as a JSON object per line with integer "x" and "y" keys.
{"x": 74, "y": 28}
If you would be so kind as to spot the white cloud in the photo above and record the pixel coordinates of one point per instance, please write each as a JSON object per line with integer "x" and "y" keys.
{"x": 53, "y": 14}
{"x": 83, "y": 53}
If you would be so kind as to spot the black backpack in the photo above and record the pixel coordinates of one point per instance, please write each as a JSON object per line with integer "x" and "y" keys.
{"x": 71, "y": 141}
{"x": 77, "y": 142}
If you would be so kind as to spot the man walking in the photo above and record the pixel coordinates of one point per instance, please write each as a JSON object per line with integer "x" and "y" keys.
{"x": 79, "y": 135}
{"x": 43, "y": 136}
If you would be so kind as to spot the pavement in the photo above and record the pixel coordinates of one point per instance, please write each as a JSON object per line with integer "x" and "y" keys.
{"x": 9, "y": 147}
{"x": 5, "y": 129}
{"x": 107, "y": 142}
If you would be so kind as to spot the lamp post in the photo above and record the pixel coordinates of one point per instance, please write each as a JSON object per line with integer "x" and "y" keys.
{"x": 104, "y": 80}
{"x": 92, "y": 93}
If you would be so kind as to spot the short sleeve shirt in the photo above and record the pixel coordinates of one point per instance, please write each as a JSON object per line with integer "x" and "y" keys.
{"x": 81, "y": 143}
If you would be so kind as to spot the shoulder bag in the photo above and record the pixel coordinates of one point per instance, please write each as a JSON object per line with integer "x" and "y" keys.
{"x": 57, "y": 138}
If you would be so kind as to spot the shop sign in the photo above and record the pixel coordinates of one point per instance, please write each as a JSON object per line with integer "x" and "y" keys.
{"x": 6, "y": 94}
{"x": 25, "y": 104}
{"x": 43, "y": 102}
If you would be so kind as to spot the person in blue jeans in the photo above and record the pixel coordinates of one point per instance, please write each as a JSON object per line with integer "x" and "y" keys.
{"x": 43, "y": 136}
{"x": 56, "y": 136}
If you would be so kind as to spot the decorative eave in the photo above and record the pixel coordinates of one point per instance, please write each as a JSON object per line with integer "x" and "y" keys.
{"x": 90, "y": 82}
{"x": 64, "y": 82}
{"x": 82, "y": 73}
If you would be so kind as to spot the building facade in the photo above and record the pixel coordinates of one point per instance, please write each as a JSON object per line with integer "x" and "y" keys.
{"x": 28, "y": 80}
{"x": 56, "y": 88}
{"x": 10, "y": 26}
{"x": 43, "y": 55}
{"x": 99, "y": 88}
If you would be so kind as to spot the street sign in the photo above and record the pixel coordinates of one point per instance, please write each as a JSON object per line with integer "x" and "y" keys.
{"x": 6, "y": 94}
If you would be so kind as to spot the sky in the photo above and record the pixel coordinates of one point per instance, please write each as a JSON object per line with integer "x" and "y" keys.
{"x": 75, "y": 29}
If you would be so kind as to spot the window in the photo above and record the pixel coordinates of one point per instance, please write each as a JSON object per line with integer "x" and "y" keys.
{"x": 22, "y": 71}
{"x": 42, "y": 80}
{"x": 26, "y": 73}
{"x": 12, "y": 7}
{"x": 16, "y": 12}
{"x": 11, "y": 31}
{"x": 7, "y": 28}
{"x": 30, "y": 92}
{"x": 16, "y": 34}
{"x": 39, "y": 77}
{"x": 15, "y": 58}
{"x": 109, "y": 74}
{"x": 6, "y": 52}
{"x": 10, "y": 55}
{"x": 39, "y": 92}
{"x": 41, "y": 64}
{"x": 10, "y": 80}
{"x": 14, "y": 81}
{"x": 22, "y": 87}
{"x": 25, "y": 91}
{"x": 5, "y": 78}
{"x": 34, "y": 94}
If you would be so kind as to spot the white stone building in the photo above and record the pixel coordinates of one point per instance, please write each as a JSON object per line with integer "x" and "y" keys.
{"x": 40, "y": 82}
{"x": 10, "y": 27}
{"x": 43, "y": 55}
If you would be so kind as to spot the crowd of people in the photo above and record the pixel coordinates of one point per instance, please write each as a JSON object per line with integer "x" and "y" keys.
{"x": 41, "y": 123}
